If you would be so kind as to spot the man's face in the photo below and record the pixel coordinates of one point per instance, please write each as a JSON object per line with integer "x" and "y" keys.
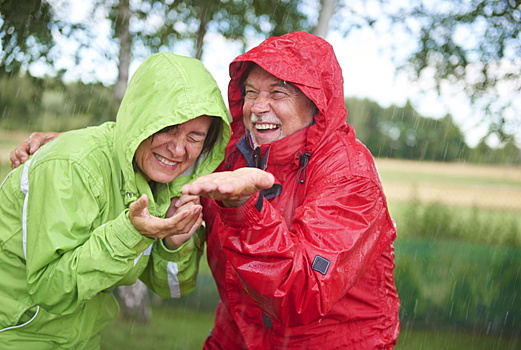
{"x": 272, "y": 108}
{"x": 167, "y": 154}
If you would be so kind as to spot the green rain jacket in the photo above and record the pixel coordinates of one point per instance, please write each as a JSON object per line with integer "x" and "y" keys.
{"x": 65, "y": 238}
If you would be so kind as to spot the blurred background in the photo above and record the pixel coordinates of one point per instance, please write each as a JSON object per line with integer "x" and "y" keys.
{"x": 433, "y": 88}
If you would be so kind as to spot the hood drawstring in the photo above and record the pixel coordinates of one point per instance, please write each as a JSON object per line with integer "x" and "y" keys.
{"x": 230, "y": 159}
{"x": 304, "y": 160}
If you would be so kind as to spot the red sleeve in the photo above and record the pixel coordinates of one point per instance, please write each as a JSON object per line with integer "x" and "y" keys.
{"x": 297, "y": 273}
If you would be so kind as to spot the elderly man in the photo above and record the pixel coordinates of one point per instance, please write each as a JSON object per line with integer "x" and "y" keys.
{"x": 298, "y": 231}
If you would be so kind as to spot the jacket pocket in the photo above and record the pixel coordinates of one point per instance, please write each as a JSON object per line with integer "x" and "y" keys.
{"x": 20, "y": 320}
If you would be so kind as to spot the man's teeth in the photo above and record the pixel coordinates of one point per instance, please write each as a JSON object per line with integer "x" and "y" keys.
{"x": 163, "y": 160}
{"x": 266, "y": 126}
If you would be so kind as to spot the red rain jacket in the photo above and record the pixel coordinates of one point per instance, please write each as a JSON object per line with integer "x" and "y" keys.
{"x": 309, "y": 263}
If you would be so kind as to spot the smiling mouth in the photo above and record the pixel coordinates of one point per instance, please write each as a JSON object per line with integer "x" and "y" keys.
{"x": 164, "y": 160}
{"x": 266, "y": 127}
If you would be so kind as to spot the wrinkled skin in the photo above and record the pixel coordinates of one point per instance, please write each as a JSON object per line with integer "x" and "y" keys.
{"x": 167, "y": 154}
{"x": 232, "y": 188}
{"x": 273, "y": 108}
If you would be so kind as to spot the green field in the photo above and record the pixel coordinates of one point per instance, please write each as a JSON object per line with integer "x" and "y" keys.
{"x": 457, "y": 184}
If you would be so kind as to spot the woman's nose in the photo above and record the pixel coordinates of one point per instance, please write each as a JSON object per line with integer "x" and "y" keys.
{"x": 177, "y": 148}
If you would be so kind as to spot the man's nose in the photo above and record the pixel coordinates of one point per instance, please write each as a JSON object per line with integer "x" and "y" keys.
{"x": 260, "y": 104}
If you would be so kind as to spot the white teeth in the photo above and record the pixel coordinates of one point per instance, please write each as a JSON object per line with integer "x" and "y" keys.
{"x": 266, "y": 126}
{"x": 163, "y": 160}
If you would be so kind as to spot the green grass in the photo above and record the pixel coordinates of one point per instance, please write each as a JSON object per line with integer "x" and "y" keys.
{"x": 459, "y": 179}
{"x": 182, "y": 329}
{"x": 431, "y": 339}
{"x": 496, "y": 228}
{"x": 452, "y": 284}
{"x": 170, "y": 328}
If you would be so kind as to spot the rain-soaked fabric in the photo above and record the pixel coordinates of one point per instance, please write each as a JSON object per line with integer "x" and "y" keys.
{"x": 65, "y": 238}
{"x": 310, "y": 267}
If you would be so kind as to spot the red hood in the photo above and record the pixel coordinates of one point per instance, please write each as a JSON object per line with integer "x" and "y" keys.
{"x": 308, "y": 62}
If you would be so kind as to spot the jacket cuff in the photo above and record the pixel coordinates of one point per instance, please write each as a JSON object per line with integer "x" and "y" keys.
{"x": 246, "y": 215}
{"x": 178, "y": 254}
{"x": 129, "y": 235}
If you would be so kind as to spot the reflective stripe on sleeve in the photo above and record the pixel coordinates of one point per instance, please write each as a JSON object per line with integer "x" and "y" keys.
{"x": 24, "y": 187}
{"x": 172, "y": 271}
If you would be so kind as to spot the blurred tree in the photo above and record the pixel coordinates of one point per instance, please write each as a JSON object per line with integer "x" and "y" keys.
{"x": 25, "y": 36}
{"x": 473, "y": 46}
{"x": 122, "y": 31}
{"x": 468, "y": 46}
{"x": 28, "y": 103}
{"x": 139, "y": 28}
{"x": 365, "y": 116}
{"x": 19, "y": 100}
{"x": 161, "y": 25}
{"x": 327, "y": 9}
{"x": 401, "y": 132}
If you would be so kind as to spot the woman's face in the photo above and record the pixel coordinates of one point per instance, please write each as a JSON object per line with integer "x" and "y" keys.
{"x": 167, "y": 154}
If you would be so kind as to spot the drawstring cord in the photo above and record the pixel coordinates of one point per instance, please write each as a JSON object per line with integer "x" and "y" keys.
{"x": 304, "y": 160}
{"x": 231, "y": 159}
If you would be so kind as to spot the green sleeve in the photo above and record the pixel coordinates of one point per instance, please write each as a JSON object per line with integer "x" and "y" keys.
{"x": 72, "y": 250}
{"x": 173, "y": 273}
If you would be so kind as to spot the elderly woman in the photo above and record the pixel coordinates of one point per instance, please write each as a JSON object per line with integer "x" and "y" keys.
{"x": 87, "y": 212}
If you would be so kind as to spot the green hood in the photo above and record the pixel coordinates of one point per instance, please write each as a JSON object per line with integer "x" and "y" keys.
{"x": 166, "y": 90}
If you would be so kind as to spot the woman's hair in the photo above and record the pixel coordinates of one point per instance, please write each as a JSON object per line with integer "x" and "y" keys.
{"x": 213, "y": 134}
{"x": 211, "y": 138}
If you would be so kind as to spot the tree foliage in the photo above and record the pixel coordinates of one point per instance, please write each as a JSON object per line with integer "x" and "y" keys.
{"x": 25, "y": 35}
{"x": 401, "y": 132}
{"x": 28, "y": 103}
{"x": 138, "y": 28}
{"x": 27, "y": 26}
{"x": 473, "y": 46}
{"x": 164, "y": 24}
{"x": 468, "y": 47}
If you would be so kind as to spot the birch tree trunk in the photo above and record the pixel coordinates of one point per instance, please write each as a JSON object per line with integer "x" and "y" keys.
{"x": 326, "y": 12}
{"x": 125, "y": 46}
{"x": 134, "y": 302}
{"x": 204, "y": 18}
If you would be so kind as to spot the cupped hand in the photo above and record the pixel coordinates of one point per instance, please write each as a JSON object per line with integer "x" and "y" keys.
{"x": 179, "y": 204}
{"x": 182, "y": 222}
